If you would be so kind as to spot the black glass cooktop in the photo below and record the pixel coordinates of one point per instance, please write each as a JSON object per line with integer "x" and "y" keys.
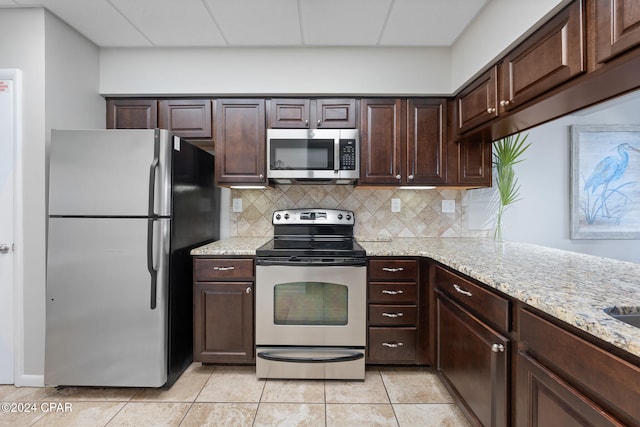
{"x": 311, "y": 246}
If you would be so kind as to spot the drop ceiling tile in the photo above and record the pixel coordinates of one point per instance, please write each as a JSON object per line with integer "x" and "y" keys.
{"x": 343, "y": 23}
{"x": 172, "y": 22}
{"x": 257, "y": 22}
{"x": 95, "y": 19}
{"x": 428, "y": 22}
{"x": 7, "y": 3}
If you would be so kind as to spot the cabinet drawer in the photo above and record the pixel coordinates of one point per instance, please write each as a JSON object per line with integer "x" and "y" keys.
{"x": 393, "y": 269}
{"x": 482, "y": 302}
{"x": 392, "y": 344}
{"x": 617, "y": 383}
{"x": 400, "y": 292}
{"x": 216, "y": 269}
{"x": 392, "y": 315}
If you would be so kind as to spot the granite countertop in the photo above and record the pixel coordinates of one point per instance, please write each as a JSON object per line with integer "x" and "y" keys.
{"x": 570, "y": 286}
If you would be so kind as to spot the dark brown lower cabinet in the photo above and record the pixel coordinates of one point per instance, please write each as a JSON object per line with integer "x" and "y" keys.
{"x": 223, "y": 316}
{"x": 473, "y": 360}
{"x": 543, "y": 399}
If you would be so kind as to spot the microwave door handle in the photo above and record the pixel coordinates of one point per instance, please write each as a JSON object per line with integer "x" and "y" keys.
{"x": 336, "y": 154}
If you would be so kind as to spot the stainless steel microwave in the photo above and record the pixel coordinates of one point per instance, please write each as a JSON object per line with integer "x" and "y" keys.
{"x": 313, "y": 155}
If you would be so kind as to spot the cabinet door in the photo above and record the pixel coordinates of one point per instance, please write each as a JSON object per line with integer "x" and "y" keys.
{"x": 335, "y": 113}
{"x": 289, "y": 113}
{"x": 477, "y": 103}
{"x": 618, "y": 27}
{"x": 426, "y": 142}
{"x": 473, "y": 361}
{"x": 543, "y": 399}
{"x": 552, "y": 55}
{"x": 187, "y": 118}
{"x": 474, "y": 163}
{"x": 223, "y": 317}
{"x": 132, "y": 113}
{"x": 380, "y": 140}
{"x": 240, "y": 141}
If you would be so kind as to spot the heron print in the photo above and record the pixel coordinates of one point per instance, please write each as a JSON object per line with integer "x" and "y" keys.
{"x": 610, "y": 178}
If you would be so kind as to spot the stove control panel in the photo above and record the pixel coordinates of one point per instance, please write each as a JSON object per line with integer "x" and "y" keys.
{"x": 313, "y": 216}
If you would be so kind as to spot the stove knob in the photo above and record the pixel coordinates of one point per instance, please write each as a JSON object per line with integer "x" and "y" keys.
{"x": 348, "y": 217}
{"x": 286, "y": 216}
{"x": 278, "y": 216}
{"x": 339, "y": 216}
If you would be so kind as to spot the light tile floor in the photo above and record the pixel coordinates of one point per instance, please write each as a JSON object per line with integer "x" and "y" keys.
{"x": 232, "y": 396}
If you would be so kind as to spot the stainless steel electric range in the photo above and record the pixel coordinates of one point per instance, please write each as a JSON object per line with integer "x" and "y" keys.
{"x": 311, "y": 297}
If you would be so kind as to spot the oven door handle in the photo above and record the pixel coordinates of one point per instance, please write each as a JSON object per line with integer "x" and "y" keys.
{"x": 280, "y": 356}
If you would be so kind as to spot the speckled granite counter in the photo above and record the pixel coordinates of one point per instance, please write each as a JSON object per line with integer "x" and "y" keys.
{"x": 232, "y": 246}
{"x": 570, "y": 286}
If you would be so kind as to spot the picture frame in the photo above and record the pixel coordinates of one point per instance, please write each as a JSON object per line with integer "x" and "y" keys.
{"x": 605, "y": 182}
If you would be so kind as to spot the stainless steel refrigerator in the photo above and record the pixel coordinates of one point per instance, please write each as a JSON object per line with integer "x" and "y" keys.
{"x": 125, "y": 209}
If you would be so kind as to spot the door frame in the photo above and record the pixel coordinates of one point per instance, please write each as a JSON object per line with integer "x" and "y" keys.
{"x": 18, "y": 253}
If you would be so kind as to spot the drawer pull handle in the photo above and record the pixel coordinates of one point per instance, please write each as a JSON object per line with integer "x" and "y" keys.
{"x": 392, "y": 270}
{"x": 248, "y": 290}
{"x": 497, "y": 348}
{"x": 388, "y": 292}
{"x": 393, "y": 315}
{"x": 392, "y": 344}
{"x": 224, "y": 268}
{"x": 461, "y": 291}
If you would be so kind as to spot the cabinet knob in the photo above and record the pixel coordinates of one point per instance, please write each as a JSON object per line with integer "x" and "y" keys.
{"x": 398, "y": 177}
{"x": 504, "y": 103}
{"x": 319, "y": 123}
{"x": 497, "y": 348}
{"x": 306, "y": 123}
{"x": 410, "y": 177}
{"x": 248, "y": 291}
{"x": 261, "y": 176}
{"x": 491, "y": 110}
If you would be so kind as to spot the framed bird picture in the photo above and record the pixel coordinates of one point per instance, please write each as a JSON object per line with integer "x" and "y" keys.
{"x": 605, "y": 182}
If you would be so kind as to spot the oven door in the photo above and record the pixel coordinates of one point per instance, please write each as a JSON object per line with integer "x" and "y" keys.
{"x": 322, "y": 306}
{"x": 310, "y": 321}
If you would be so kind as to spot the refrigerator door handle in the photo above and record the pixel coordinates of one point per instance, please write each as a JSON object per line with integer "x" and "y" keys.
{"x": 152, "y": 271}
{"x": 152, "y": 184}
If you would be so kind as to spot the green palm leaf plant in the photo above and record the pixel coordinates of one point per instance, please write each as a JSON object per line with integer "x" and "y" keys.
{"x": 507, "y": 152}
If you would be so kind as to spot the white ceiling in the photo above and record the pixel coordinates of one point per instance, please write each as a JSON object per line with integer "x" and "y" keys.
{"x": 241, "y": 23}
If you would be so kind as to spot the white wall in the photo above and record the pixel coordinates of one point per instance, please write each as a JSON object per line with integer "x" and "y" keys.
{"x": 543, "y": 214}
{"x": 60, "y": 89}
{"x": 299, "y": 71}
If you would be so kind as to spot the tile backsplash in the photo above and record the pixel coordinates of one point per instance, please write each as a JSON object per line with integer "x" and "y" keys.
{"x": 420, "y": 216}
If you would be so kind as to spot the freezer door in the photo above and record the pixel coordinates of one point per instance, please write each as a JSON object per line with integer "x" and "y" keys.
{"x": 100, "y": 327}
{"x": 110, "y": 172}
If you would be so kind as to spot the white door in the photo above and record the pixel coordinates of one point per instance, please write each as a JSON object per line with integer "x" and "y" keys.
{"x": 7, "y": 168}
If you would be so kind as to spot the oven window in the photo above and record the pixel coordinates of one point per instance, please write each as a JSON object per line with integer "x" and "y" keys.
{"x": 310, "y": 303}
{"x": 301, "y": 154}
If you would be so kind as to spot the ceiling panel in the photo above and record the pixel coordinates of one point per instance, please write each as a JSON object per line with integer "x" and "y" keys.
{"x": 257, "y": 22}
{"x": 343, "y": 23}
{"x": 95, "y": 19}
{"x": 412, "y": 22}
{"x": 172, "y": 22}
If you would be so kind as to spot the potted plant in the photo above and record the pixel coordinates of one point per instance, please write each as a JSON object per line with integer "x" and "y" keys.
{"x": 507, "y": 152}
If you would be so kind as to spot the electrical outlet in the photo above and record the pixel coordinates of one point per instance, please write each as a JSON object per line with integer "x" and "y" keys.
{"x": 396, "y": 205}
{"x": 448, "y": 206}
{"x": 237, "y": 205}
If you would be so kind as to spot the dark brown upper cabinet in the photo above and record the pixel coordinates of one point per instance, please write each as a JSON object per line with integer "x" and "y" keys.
{"x": 132, "y": 113}
{"x": 187, "y": 118}
{"x": 240, "y": 141}
{"x": 617, "y": 27}
{"x": 426, "y": 142}
{"x": 552, "y": 55}
{"x": 300, "y": 113}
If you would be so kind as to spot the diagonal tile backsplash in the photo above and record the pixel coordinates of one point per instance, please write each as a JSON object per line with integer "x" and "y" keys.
{"x": 420, "y": 214}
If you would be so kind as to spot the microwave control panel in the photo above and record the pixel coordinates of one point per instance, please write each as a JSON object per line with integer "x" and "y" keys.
{"x": 348, "y": 154}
